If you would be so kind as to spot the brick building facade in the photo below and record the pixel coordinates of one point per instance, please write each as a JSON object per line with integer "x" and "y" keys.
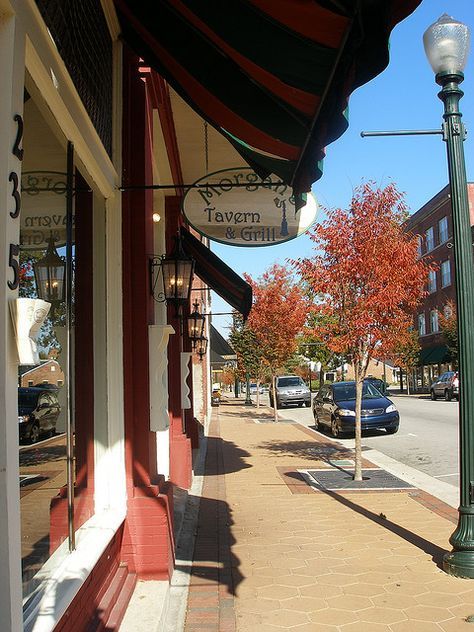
{"x": 433, "y": 224}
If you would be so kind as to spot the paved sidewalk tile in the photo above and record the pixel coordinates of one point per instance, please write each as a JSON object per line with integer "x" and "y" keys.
{"x": 273, "y": 553}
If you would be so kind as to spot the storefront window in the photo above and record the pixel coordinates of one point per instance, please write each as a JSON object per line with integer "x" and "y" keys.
{"x": 52, "y": 318}
{"x": 41, "y": 336}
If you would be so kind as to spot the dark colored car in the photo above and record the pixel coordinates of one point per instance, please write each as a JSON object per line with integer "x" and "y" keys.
{"x": 290, "y": 389}
{"x": 447, "y": 386}
{"x": 334, "y": 407}
{"x": 38, "y": 412}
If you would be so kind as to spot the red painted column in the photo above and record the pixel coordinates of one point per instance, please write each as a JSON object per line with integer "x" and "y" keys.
{"x": 180, "y": 445}
{"x": 148, "y": 545}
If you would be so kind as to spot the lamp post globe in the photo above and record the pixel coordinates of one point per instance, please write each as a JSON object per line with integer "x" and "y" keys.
{"x": 447, "y": 45}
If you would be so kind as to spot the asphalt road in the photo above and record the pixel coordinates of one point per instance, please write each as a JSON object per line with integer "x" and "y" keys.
{"x": 427, "y": 439}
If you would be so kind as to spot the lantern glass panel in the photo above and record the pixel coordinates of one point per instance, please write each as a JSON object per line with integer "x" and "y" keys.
{"x": 196, "y": 322}
{"x": 202, "y": 347}
{"x": 177, "y": 276}
{"x": 49, "y": 276}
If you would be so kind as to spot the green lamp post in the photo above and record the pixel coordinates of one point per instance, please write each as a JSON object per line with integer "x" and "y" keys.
{"x": 447, "y": 45}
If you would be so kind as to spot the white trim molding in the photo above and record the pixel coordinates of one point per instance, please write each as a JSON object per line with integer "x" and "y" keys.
{"x": 185, "y": 370}
{"x": 158, "y": 337}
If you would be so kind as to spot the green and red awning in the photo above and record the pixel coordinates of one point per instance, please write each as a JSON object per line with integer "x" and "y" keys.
{"x": 273, "y": 76}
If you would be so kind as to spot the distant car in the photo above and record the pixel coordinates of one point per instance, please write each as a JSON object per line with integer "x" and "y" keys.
{"x": 38, "y": 412}
{"x": 447, "y": 386}
{"x": 290, "y": 389}
{"x": 253, "y": 389}
{"x": 334, "y": 407}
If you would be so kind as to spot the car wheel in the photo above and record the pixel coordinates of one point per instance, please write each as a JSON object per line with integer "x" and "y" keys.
{"x": 432, "y": 393}
{"x": 316, "y": 421}
{"x": 278, "y": 404}
{"x": 391, "y": 430}
{"x": 335, "y": 428}
{"x": 448, "y": 396}
{"x": 307, "y": 403}
{"x": 300, "y": 405}
{"x": 34, "y": 433}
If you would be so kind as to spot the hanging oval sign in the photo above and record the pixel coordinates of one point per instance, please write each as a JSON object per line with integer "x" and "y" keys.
{"x": 236, "y": 207}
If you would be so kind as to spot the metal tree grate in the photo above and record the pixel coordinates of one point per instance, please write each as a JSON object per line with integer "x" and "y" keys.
{"x": 341, "y": 480}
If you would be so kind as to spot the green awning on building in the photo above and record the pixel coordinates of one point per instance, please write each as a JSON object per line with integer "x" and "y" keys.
{"x": 273, "y": 76}
{"x": 434, "y": 355}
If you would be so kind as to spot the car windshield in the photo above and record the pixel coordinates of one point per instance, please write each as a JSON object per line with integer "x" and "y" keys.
{"x": 345, "y": 392}
{"x": 290, "y": 381}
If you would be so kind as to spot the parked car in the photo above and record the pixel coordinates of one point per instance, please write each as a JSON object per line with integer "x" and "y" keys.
{"x": 38, "y": 412}
{"x": 334, "y": 407}
{"x": 290, "y": 389}
{"x": 447, "y": 386}
{"x": 216, "y": 395}
{"x": 253, "y": 389}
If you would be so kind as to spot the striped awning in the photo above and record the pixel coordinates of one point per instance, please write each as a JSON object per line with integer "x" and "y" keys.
{"x": 273, "y": 76}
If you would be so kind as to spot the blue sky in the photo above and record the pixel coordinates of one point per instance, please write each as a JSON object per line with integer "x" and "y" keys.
{"x": 404, "y": 96}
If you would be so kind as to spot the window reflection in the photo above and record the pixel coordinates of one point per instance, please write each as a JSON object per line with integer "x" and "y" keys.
{"x": 42, "y": 344}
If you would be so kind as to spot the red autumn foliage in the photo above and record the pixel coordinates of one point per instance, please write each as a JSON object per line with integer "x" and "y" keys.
{"x": 278, "y": 314}
{"x": 367, "y": 272}
{"x": 369, "y": 279}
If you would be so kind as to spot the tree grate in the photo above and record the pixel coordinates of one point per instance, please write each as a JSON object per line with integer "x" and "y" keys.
{"x": 341, "y": 480}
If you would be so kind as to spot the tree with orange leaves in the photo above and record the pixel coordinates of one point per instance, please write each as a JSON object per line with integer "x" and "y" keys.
{"x": 277, "y": 317}
{"x": 369, "y": 279}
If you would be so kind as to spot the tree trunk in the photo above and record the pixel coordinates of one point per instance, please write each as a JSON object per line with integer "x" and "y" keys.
{"x": 358, "y": 430}
{"x": 408, "y": 384}
{"x": 321, "y": 377}
{"x": 258, "y": 394}
{"x": 275, "y": 410}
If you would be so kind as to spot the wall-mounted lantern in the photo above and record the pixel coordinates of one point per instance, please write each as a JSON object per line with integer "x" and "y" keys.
{"x": 201, "y": 347}
{"x": 196, "y": 324}
{"x": 177, "y": 270}
{"x": 49, "y": 274}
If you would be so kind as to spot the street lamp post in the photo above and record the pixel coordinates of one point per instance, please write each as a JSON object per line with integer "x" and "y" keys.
{"x": 447, "y": 45}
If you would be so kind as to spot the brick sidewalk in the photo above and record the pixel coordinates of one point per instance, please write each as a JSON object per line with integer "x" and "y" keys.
{"x": 273, "y": 553}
